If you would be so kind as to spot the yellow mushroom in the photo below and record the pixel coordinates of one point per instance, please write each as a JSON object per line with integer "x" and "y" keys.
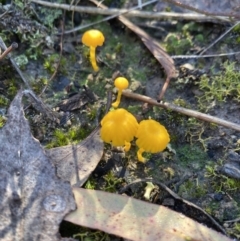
{"x": 119, "y": 128}
{"x": 151, "y": 137}
{"x": 93, "y": 38}
{"x": 120, "y": 83}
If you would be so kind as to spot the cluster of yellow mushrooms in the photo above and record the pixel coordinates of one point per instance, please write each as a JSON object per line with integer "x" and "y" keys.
{"x": 119, "y": 127}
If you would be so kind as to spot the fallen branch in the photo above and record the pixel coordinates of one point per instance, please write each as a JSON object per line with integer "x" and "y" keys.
{"x": 135, "y": 13}
{"x": 7, "y": 52}
{"x": 218, "y": 39}
{"x": 182, "y": 110}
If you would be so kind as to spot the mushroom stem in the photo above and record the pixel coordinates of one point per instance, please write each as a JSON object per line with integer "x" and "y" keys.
{"x": 139, "y": 155}
{"x": 93, "y": 58}
{"x": 117, "y": 102}
{"x": 127, "y": 146}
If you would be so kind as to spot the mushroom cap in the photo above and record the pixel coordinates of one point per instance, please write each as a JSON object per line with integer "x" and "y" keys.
{"x": 152, "y": 136}
{"x": 121, "y": 83}
{"x": 118, "y": 126}
{"x": 93, "y": 38}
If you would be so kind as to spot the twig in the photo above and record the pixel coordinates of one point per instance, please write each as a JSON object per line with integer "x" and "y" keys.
{"x": 135, "y": 13}
{"x": 232, "y": 221}
{"x": 40, "y": 106}
{"x": 218, "y": 39}
{"x": 164, "y": 88}
{"x": 72, "y": 8}
{"x": 4, "y": 47}
{"x": 7, "y": 50}
{"x": 203, "y": 56}
{"x": 184, "y": 111}
{"x": 186, "y": 6}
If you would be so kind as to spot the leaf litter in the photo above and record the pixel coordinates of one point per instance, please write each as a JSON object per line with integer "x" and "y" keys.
{"x": 69, "y": 149}
{"x": 74, "y": 163}
{"x": 33, "y": 199}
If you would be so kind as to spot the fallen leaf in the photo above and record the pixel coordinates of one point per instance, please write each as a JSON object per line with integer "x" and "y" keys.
{"x": 79, "y": 100}
{"x": 136, "y": 220}
{"x": 75, "y": 163}
{"x": 33, "y": 200}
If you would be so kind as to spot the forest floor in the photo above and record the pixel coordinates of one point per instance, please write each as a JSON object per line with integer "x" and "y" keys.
{"x": 202, "y": 162}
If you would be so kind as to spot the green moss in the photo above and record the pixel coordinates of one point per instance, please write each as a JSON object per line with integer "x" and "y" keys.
{"x": 192, "y": 155}
{"x": 92, "y": 114}
{"x": 219, "y": 88}
{"x": 196, "y": 130}
{"x": 3, "y": 101}
{"x": 51, "y": 63}
{"x": 212, "y": 207}
{"x": 68, "y": 229}
{"x": 63, "y": 138}
{"x": 2, "y": 121}
{"x": 177, "y": 45}
{"x": 48, "y": 66}
{"x": 134, "y": 109}
{"x": 21, "y": 61}
{"x": 111, "y": 182}
{"x": 191, "y": 189}
{"x": 180, "y": 102}
{"x": 91, "y": 235}
{"x": 38, "y": 84}
{"x": 220, "y": 182}
{"x": 90, "y": 184}
{"x": 236, "y": 229}
{"x": 49, "y": 15}
{"x": 199, "y": 38}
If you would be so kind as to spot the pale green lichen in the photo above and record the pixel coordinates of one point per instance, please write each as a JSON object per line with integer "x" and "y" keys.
{"x": 218, "y": 88}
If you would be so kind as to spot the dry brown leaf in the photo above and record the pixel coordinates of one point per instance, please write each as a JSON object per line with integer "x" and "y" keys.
{"x": 136, "y": 220}
{"x": 33, "y": 200}
{"x": 75, "y": 163}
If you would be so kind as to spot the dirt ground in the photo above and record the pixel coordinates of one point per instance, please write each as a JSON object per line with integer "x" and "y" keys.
{"x": 202, "y": 162}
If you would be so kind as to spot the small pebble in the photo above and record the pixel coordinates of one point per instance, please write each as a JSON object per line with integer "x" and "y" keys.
{"x": 233, "y": 156}
{"x": 218, "y": 196}
{"x": 231, "y": 169}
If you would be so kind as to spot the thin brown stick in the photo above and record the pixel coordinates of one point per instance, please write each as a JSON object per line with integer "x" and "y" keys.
{"x": 188, "y": 112}
{"x": 137, "y": 13}
{"x": 164, "y": 88}
{"x": 218, "y": 39}
{"x": 8, "y": 50}
{"x": 189, "y": 7}
{"x": 4, "y": 47}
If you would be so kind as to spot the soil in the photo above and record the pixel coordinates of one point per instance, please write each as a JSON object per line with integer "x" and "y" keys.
{"x": 202, "y": 162}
